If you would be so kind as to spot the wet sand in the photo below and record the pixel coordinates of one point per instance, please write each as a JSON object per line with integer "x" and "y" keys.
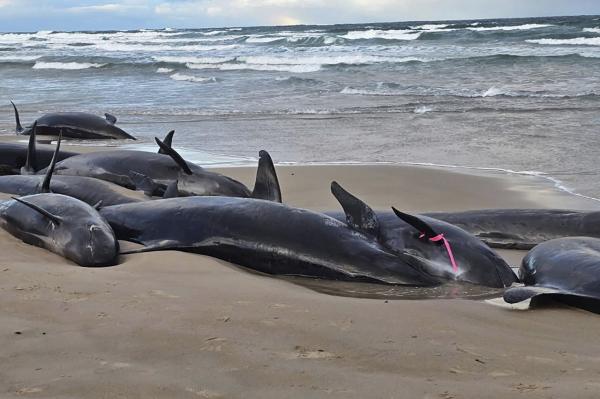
{"x": 177, "y": 325}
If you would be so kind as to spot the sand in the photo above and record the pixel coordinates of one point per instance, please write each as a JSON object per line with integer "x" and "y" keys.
{"x": 176, "y": 325}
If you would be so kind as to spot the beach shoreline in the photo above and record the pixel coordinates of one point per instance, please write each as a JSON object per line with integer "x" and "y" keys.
{"x": 174, "y": 324}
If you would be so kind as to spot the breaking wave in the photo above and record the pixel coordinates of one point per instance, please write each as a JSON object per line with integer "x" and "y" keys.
{"x": 66, "y": 65}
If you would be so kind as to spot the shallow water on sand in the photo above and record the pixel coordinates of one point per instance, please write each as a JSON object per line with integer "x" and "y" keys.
{"x": 450, "y": 290}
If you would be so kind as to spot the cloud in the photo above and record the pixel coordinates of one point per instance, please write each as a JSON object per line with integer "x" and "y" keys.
{"x": 110, "y": 7}
{"x": 5, "y": 3}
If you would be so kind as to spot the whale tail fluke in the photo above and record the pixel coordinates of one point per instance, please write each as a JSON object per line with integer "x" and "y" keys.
{"x": 46, "y": 183}
{"x": 168, "y": 141}
{"x": 266, "y": 186}
{"x": 31, "y": 163}
{"x": 19, "y": 129}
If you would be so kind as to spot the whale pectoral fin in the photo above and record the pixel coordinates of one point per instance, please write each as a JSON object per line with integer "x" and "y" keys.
{"x": 110, "y": 118}
{"x": 54, "y": 218}
{"x": 359, "y": 215}
{"x": 175, "y": 155}
{"x": 172, "y": 191}
{"x": 520, "y": 294}
{"x": 143, "y": 183}
{"x": 97, "y": 205}
{"x": 418, "y": 223}
{"x": 266, "y": 186}
{"x": 168, "y": 141}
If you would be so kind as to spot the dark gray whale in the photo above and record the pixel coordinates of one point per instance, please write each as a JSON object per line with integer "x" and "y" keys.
{"x": 153, "y": 173}
{"x": 89, "y": 190}
{"x": 14, "y": 157}
{"x": 477, "y": 263}
{"x": 79, "y": 125}
{"x": 268, "y": 237}
{"x": 564, "y": 269}
{"x": 63, "y": 225}
{"x": 523, "y": 228}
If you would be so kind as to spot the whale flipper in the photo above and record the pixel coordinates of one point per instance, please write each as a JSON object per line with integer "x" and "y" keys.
{"x": 417, "y": 223}
{"x": 31, "y": 163}
{"x": 172, "y": 191}
{"x": 110, "y": 118}
{"x": 266, "y": 186}
{"x": 143, "y": 183}
{"x": 359, "y": 215}
{"x": 175, "y": 155}
{"x": 168, "y": 140}
{"x": 54, "y": 218}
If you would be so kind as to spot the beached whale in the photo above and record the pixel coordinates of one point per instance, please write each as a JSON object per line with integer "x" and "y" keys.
{"x": 27, "y": 158}
{"x": 523, "y": 228}
{"x": 78, "y": 125}
{"x": 63, "y": 225}
{"x": 565, "y": 269}
{"x": 475, "y": 262}
{"x": 89, "y": 190}
{"x": 153, "y": 173}
{"x": 269, "y": 237}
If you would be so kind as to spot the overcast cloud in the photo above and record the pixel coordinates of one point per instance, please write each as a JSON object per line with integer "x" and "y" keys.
{"x": 33, "y": 15}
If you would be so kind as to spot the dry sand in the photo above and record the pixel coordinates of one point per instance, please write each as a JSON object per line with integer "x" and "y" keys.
{"x": 176, "y": 325}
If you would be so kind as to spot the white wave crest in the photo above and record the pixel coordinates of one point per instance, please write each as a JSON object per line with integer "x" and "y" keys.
{"x": 508, "y": 28}
{"x": 190, "y": 78}
{"x": 258, "y": 67}
{"x": 422, "y": 109}
{"x": 262, "y": 39}
{"x": 66, "y": 65}
{"x": 17, "y": 58}
{"x": 164, "y": 70}
{"x": 577, "y": 41}
{"x": 382, "y": 34}
{"x": 494, "y": 91}
{"x": 592, "y": 30}
{"x": 193, "y": 60}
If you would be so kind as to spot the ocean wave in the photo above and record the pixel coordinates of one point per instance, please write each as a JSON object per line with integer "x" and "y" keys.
{"x": 382, "y": 34}
{"x": 578, "y": 41}
{"x": 190, "y": 78}
{"x": 422, "y": 109}
{"x": 17, "y": 58}
{"x": 258, "y": 67}
{"x": 591, "y": 30}
{"x": 193, "y": 60}
{"x": 164, "y": 70}
{"x": 153, "y": 48}
{"x": 66, "y": 65}
{"x": 509, "y": 28}
{"x": 327, "y": 60}
{"x": 263, "y": 39}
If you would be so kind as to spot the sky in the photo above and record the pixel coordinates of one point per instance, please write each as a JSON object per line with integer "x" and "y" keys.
{"x": 35, "y": 15}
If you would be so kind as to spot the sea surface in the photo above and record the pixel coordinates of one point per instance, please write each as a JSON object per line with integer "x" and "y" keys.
{"x": 516, "y": 94}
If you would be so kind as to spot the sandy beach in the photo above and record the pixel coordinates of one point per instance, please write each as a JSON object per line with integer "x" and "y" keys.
{"x": 178, "y": 325}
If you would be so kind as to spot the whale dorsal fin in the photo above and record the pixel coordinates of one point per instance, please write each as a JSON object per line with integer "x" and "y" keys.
{"x": 46, "y": 183}
{"x": 266, "y": 186}
{"x": 359, "y": 215}
{"x": 173, "y": 154}
{"x": 55, "y": 219}
{"x": 417, "y": 223}
{"x": 110, "y": 118}
{"x": 172, "y": 191}
{"x": 31, "y": 162}
{"x": 19, "y": 128}
{"x": 168, "y": 140}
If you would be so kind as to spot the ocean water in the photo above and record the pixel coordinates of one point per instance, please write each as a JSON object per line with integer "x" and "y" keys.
{"x": 514, "y": 94}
